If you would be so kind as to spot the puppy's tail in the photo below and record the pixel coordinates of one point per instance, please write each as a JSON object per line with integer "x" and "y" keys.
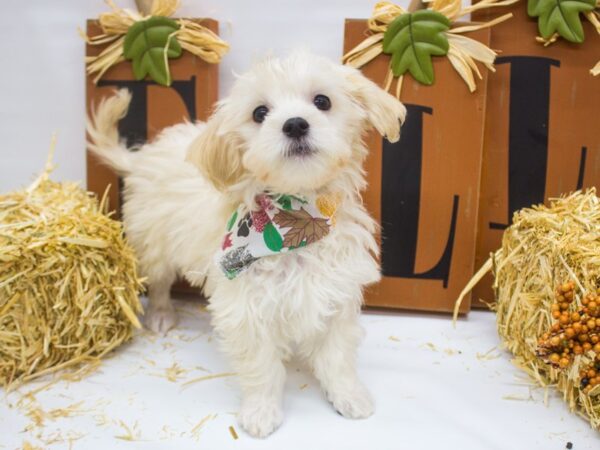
{"x": 103, "y": 135}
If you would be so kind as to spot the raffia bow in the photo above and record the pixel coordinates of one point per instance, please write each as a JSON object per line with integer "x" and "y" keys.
{"x": 192, "y": 36}
{"x": 462, "y": 53}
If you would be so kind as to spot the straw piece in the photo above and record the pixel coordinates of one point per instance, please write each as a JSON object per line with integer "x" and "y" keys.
{"x": 481, "y": 26}
{"x": 195, "y": 432}
{"x": 131, "y": 433}
{"x": 487, "y": 266}
{"x": 209, "y": 377}
{"x": 68, "y": 282}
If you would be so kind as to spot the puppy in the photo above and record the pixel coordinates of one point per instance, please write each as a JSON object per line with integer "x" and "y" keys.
{"x": 262, "y": 204}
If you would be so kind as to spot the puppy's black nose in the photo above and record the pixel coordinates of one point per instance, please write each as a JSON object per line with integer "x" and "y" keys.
{"x": 295, "y": 127}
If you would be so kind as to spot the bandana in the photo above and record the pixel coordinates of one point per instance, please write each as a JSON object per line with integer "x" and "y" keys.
{"x": 281, "y": 223}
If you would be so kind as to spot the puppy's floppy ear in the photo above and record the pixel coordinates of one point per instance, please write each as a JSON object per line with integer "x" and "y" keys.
{"x": 384, "y": 111}
{"x": 217, "y": 153}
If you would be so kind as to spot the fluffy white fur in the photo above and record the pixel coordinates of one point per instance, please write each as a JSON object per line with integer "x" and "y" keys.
{"x": 181, "y": 188}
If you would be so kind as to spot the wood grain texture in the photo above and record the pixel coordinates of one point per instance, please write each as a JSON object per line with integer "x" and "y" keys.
{"x": 164, "y": 108}
{"x": 574, "y": 107}
{"x": 451, "y": 164}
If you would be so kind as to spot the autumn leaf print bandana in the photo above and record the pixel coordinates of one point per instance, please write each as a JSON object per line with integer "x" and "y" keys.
{"x": 280, "y": 223}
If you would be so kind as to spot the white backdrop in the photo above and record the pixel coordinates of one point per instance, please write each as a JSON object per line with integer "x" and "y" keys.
{"x": 42, "y": 67}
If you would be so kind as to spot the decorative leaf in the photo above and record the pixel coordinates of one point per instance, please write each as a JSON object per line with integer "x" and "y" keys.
{"x": 560, "y": 16}
{"x": 232, "y": 220}
{"x": 303, "y": 227}
{"x": 227, "y": 242}
{"x": 272, "y": 238}
{"x": 412, "y": 39}
{"x": 145, "y": 44}
{"x": 285, "y": 201}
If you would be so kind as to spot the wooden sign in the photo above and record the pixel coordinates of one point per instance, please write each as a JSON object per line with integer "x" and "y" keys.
{"x": 541, "y": 133}
{"x": 191, "y": 96}
{"x": 424, "y": 189}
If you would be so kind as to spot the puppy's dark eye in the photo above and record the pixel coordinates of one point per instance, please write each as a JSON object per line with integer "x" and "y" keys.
{"x": 260, "y": 113}
{"x": 322, "y": 102}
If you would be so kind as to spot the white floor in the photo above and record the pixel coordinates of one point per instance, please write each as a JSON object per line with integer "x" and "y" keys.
{"x": 436, "y": 388}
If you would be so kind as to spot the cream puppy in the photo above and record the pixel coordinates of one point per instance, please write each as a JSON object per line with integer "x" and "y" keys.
{"x": 290, "y": 129}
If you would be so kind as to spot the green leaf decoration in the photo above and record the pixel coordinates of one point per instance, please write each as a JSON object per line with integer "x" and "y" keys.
{"x": 145, "y": 44}
{"x": 560, "y": 16}
{"x": 272, "y": 238}
{"x": 412, "y": 39}
{"x": 232, "y": 220}
{"x": 285, "y": 201}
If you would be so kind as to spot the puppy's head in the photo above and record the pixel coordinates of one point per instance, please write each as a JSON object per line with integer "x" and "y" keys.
{"x": 292, "y": 124}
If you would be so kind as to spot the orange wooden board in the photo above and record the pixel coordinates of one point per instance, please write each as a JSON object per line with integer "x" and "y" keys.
{"x": 191, "y": 96}
{"x": 424, "y": 190}
{"x": 541, "y": 134}
{"x": 195, "y": 82}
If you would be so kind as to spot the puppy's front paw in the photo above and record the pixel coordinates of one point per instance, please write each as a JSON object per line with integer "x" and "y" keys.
{"x": 260, "y": 417}
{"x": 355, "y": 403}
{"x": 160, "y": 319}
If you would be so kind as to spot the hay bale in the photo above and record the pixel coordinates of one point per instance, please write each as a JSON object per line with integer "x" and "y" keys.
{"x": 68, "y": 282}
{"x": 546, "y": 247}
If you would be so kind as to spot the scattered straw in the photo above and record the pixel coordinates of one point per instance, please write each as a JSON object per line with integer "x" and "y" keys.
{"x": 233, "y": 433}
{"x": 489, "y": 355}
{"x": 452, "y": 352}
{"x": 546, "y": 247}
{"x": 195, "y": 432}
{"x": 209, "y": 377}
{"x": 68, "y": 283}
{"x": 131, "y": 433}
{"x": 431, "y": 346}
{"x": 173, "y": 373}
{"x": 518, "y": 398}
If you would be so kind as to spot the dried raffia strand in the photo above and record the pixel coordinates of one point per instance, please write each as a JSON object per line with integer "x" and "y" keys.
{"x": 483, "y": 4}
{"x": 594, "y": 18}
{"x": 68, "y": 282}
{"x": 543, "y": 248}
{"x": 551, "y": 40}
{"x": 193, "y": 37}
{"x": 200, "y": 41}
{"x": 463, "y": 52}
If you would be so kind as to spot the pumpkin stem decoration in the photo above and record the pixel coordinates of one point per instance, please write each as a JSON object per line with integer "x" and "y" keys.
{"x": 562, "y": 18}
{"x": 412, "y": 38}
{"x": 149, "y": 41}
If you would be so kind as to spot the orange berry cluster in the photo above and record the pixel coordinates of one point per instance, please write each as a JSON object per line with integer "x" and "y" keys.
{"x": 590, "y": 375}
{"x": 575, "y": 332}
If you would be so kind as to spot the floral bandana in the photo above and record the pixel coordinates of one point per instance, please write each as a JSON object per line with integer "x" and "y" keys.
{"x": 280, "y": 224}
